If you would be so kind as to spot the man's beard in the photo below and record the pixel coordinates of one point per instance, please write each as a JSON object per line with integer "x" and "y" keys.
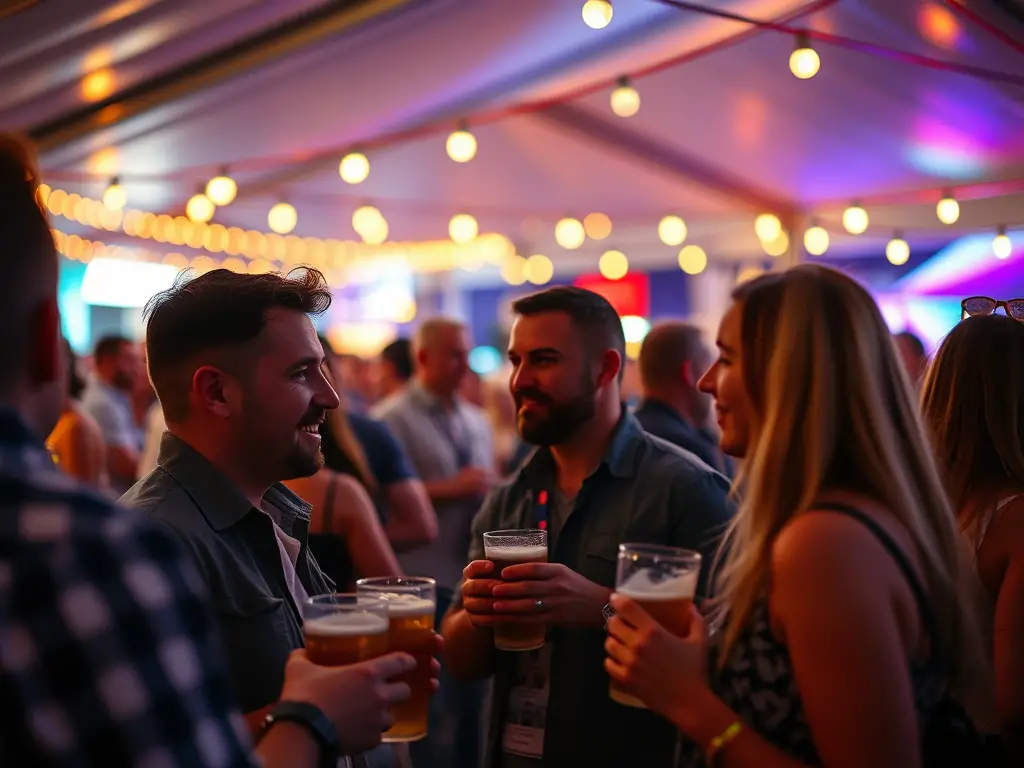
{"x": 562, "y": 420}
{"x": 300, "y": 463}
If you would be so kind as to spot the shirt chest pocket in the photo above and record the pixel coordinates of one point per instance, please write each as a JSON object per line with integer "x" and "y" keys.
{"x": 600, "y": 560}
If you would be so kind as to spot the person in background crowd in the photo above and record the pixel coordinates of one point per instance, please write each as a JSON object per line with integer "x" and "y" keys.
{"x": 672, "y": 359}
{"x": 973, "y": 403}
{"x": 450, "y": 444}
{"x": 77, "y": 442}
{"x": 844, "y": 618}
{"x": 110, "y": 656}
{"x": 394, "y": 368}
{"x": 153, "y": 434}
{"x": 913, "y": 355}
{"x": 366, "y": 449}
{"x": 117, "y": 365}
{"x": 238, "y": 369}
{"x": 600, "y": 480}
{"x": 356, "y": 382}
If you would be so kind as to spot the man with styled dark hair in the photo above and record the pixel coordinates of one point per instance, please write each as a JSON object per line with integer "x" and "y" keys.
{"x": 109, "y": 653}
{"x": 596, "y": 480}
{"x": 395, "y": 368}
{"x": 238, "y": 368}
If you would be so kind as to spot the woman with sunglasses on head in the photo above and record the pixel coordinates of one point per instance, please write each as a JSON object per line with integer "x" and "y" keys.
{"x": 842, "y": 602}
{"x": 973, "y": 404}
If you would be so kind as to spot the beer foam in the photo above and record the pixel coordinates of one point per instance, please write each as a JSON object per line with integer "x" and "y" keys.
{"x": 347, "y": 624}
{"x": 527, "y": 553}
{"x": 409, "y": 605}
{"x": 642, "y": 586}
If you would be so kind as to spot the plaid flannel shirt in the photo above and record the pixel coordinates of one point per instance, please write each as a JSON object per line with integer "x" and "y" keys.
{"x": 108, "y": 653}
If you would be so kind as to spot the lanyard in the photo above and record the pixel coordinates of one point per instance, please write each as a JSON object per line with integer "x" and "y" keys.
{"x": 540, "y": 509}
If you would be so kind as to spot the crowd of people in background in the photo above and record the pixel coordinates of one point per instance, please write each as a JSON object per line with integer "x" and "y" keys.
{"x": 858, "y": 510}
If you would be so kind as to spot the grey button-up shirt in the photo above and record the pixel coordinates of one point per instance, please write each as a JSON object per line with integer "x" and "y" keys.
{"x": 645, "y": 490}
{"x": 433, "y": 439}
{"x": 236, "y": 548}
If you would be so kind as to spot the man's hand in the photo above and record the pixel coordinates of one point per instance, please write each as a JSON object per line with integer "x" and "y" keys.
{"x": 473, "y": 482}
{"x": 356, "y": 698}
{"x": 478, "y": 582}
{"x": 568, "y": 599}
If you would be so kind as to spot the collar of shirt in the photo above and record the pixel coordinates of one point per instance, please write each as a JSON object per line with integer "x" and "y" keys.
{"x": 109, "y": 390}
{"x": 661, "y": 409}
{"x": 619, "y": 458}
{"x": 221, "y": 502}
{"x": 427, "y": 400}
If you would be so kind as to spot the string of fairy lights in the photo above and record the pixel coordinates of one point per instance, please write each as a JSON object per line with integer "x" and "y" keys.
{"x": 261, "y": 251}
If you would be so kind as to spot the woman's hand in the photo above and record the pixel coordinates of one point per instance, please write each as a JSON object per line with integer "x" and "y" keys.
{"x": 664, "y": 671}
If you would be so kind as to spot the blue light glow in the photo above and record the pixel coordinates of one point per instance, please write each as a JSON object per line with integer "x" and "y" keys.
{"x": 484, "y": 360}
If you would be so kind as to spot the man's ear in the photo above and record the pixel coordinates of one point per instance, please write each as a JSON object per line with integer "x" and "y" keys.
{"x": 611, "y": 365}
{"x": 209, "y": 388}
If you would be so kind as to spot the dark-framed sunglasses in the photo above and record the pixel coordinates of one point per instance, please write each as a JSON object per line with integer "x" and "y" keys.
{"x": 980, "y": 306}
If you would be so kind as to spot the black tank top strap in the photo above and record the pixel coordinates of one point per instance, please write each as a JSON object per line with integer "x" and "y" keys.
{"x": 902, "y": 562}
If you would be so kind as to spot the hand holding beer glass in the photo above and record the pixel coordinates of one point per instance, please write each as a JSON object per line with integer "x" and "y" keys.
{"x": 411, "y": 605}
{"x": 663, "y": 581}
{"x": 505, "y": 548}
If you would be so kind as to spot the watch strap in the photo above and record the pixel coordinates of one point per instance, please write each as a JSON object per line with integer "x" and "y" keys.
{"x": 313, "y": 719}
{"x": 607, "y": 612}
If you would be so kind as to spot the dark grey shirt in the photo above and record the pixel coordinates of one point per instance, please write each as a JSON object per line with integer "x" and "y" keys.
{"x": 645, "y": 490}
{"x": 236, "y": 548}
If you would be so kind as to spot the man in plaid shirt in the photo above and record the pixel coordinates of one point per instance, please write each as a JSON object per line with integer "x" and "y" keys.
{"x": 108, "y": 652}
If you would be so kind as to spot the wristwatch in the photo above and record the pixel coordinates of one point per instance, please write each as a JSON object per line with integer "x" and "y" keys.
{"x": 607, "y": 612}
{"x": 313, "y": 720}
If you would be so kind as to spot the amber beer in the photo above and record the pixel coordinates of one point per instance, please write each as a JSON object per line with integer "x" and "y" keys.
{"x": 344, "y": 629}
{"x": 412, "y": 603}
{"x": 663, "y": 581}
{"x": 505, "y": 548}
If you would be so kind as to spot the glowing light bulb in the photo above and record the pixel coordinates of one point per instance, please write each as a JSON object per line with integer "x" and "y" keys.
{"x": 693, "y": 260}
{"x": 570, "y": 234}
{"x": 613, "y": 265}
{"x": 768, "y": 227}
{"x": 114, "y": 197}
{"x": 354, "y": 168}
{"x": 672, "y": 230}
{"x": 897, "y": 250}
{"x": 597, "y": 14}
{"x": 463, "y": 228}
{"x": 539, "y": 269}
{"x": 461, "y": 146}
{"x": 365, "y": 219}
{"x": 597, "y": 226}
{"x": 625, "y": 100}
{"x": 221, "y": 189}
{"x": 804, "y": 62}
{"x": 816, "y": 240}
{"x": 199, "y": 208}
{"x": 948, "y": 210}
{"x": 282, "y": 218}
{"x": 855, "y": 220}
{"x": 1002, "y": 247}
{"x": 513, "y": 270}
{"x": 778, "y": 246}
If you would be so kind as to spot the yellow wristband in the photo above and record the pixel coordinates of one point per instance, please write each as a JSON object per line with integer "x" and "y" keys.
{"x": 721, "y": 741}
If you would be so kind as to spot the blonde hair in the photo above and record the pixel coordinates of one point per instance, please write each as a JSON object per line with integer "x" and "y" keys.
{"x": 973, "y": 404}
{"x": 833, "y": 409}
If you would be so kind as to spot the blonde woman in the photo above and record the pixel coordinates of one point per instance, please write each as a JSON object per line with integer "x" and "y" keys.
{"x": 973, "y": 403}
{"x": 842, "y": 597}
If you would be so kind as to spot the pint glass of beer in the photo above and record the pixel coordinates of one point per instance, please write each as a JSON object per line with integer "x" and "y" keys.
{"x": 343, "y": 629}
{"x": 411, "y": 605}
{"x": 663, "y": 581}
{"x": 505, "y": 548}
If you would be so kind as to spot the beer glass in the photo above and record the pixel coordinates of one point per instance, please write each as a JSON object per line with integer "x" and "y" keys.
{"x": 411, "y": 603}
{"x": 505, "y": 548}
{"x": 663, "y": 581}
{"x": 343, "y": 629}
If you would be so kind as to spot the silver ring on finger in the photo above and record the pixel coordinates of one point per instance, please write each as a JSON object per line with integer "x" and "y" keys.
{"x": 540, "y": 606}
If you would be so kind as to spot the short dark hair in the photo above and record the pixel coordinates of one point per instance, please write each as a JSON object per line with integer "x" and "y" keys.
{"x": 215, "y": 312}
{"x": 399, "y": 354}
{"x": 591, "y": 313}
{"x": 28, "y": 255}
{"x": 668, "y": 346}
{"x": 914, "y": 342}
{"x": 109, "y": 346}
